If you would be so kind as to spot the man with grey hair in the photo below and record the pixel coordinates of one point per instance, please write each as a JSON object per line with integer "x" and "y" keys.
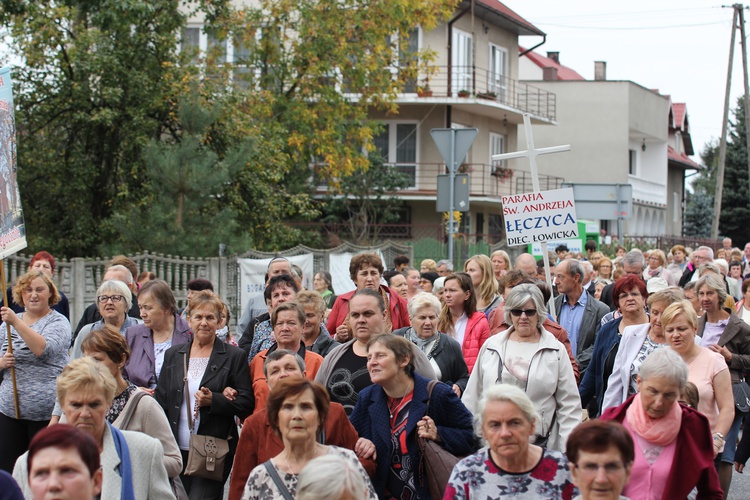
{"x": 588, "y": 277}
{"x": 577, "y": 311}
{"x": 633, "y": 263}
{"x": 701, "y": 255}
{"x": 444, "y": 267}
{"x": 91, "y": 314}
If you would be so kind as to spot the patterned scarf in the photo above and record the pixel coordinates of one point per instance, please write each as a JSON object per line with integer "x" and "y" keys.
{"x": 423, "y": 344}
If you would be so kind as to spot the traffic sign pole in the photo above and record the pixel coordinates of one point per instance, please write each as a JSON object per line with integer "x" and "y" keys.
{"x": 453, "y": 145}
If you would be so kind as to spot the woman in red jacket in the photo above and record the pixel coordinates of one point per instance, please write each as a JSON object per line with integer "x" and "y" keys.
{"x": 460, "y": 318}
{"x": 365, "y": 270}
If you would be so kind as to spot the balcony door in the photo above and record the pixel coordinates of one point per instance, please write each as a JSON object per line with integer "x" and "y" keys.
{"x": 397, "y": 145}
{"x": 498, "y": 74}
{"x": 463, "y": 61}
{"x": 497, "y": 147}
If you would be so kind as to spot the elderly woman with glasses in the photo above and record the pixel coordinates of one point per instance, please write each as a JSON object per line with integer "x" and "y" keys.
{"x": 443, "y": 351}
{"x": 531, "y": 358}
{"x": 637, "y": 343}
{"x": 656, "y": 268}
{"x": 601, "y": 457}
{"x": 114, "y": 300}
{"x": 673, "y": 451}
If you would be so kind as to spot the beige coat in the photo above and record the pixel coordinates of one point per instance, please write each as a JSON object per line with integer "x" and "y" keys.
{"x": 551, "y": 385}
{"x": 150, "y": 481}
{"x": 151, "y": 420}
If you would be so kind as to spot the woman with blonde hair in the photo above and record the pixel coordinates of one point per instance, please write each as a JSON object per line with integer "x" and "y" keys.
{"x": 656, "y": 268}
{"x": 479, "y": 268}
{"x": 500, "y": 263}
{"x": 40, "y": 338}
{"x": 604, "y": 268}
{"x": 428, "y": 266}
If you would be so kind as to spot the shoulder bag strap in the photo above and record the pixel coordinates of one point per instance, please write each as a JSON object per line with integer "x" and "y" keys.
{"x": 132, "y": 405}
{"x": 187, "y": 393}
{"x": 430, "y": 386}
{"x": 277, "y": 480}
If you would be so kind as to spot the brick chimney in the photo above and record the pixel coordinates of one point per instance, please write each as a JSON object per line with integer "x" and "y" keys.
{"x": 555, "y": 56}
{"x": 600, "y": 70}
{"x": 549, "y": 74}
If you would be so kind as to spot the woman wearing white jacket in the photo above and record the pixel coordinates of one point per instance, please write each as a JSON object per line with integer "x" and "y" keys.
{"x": 531, "y": 358}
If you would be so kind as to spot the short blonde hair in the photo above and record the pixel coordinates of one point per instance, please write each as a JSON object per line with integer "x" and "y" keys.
{"x": 313, "y": 299}
{"x": 25, "y": 280}
{"x": 86, "y": 374}
{"x": 680, "y": 307}
{"x": 429, "y": 264}
{"x": 207, "y": 298}
{"x": 658, "y": 253}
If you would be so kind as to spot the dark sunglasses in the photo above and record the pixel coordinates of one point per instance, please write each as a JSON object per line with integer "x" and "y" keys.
{"x": 518, "y": 312}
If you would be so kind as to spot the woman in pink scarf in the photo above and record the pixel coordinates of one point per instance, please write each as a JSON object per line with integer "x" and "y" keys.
{"x": 663, "y": 430}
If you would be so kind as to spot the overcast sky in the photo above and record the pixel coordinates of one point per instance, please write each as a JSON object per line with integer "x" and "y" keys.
{"x": 680, "y": 47}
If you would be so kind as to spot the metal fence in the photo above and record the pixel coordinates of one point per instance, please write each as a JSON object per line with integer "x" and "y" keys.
{"x": 78, "y": 278}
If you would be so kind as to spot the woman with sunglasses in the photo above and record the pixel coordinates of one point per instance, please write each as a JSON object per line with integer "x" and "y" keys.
{"x": 529, "y": 357}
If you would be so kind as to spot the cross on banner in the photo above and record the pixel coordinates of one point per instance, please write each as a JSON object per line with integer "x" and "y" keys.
{"x": 531, "y": 153}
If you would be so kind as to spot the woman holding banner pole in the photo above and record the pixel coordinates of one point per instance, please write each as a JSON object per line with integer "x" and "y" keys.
{"x": 40, "y": 338}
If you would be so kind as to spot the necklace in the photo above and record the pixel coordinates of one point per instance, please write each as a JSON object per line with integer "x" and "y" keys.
{"x": 394, "y": 404}
{"x": 288, "y": 454}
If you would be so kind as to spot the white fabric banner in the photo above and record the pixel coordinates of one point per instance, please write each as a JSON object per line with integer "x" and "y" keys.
{"x": 252, "y": 272}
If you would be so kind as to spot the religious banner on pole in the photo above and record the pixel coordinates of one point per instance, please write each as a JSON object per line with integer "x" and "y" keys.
{"x": 540, "y": 217}
{"x": 12, "y": 228}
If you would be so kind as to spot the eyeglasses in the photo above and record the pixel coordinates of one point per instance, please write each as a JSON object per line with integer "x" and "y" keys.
{"x": 631, "y": 294}
{"x": 610, "y": 468}
{"x": 114, "y": 298}
{"x": 518, "y": 312}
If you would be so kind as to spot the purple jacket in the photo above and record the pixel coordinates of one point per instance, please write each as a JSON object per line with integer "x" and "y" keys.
{"x": 140, "y": 369}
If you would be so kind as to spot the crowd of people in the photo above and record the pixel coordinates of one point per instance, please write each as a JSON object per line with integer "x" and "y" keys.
{"x": 624, "y": 377}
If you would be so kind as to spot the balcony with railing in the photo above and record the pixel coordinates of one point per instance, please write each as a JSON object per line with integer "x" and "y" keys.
{"x": 485, "y": 181}
{"x": 480, "y": 86}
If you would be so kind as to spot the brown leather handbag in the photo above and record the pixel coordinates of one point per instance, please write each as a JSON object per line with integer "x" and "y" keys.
{"x": 207, "y": 454}
{"x": 435, "y": 462}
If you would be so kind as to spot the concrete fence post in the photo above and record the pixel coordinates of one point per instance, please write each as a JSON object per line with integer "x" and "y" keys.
{"x": 78, "y": 286}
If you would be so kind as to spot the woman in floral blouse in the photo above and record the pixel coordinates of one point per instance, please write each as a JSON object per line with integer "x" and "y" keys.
{"x": 510, "y": 466}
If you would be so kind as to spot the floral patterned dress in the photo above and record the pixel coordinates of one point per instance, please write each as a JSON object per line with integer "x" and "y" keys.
{"x": 260, "y": 485}
{"x": 478, "y": 477}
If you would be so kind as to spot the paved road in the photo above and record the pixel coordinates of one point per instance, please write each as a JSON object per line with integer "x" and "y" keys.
{"x": 740, "y": 488}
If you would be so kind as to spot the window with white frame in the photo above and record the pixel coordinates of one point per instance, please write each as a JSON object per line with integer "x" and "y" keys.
{"x": 408, "y": 46}
{"x": 397, "y": 145}
{"x": 463, "y": 60}
{"x": 497, "y": 146}
{"x": 498, "y": 72}
{"x": 234, "y": 51}
{"x": 632, "y": 162}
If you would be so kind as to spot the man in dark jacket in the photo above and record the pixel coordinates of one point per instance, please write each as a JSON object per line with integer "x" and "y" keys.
{"x": 700, "y": 256}
{"x": 578, "y": 312}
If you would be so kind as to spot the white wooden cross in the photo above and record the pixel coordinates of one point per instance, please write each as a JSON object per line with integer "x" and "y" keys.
{"x": 531, "y": 153}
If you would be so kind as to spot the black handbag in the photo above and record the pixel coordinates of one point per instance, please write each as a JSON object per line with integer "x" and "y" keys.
{"x": 741, "y": 392}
